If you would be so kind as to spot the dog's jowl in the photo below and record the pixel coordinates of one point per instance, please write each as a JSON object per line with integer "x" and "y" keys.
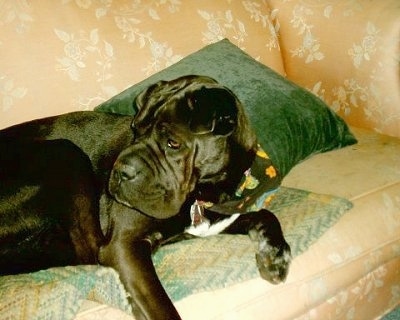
{"x": 91, "y": 187}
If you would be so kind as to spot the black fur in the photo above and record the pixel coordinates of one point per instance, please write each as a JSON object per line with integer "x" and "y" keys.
{"x": 91, "y": 187}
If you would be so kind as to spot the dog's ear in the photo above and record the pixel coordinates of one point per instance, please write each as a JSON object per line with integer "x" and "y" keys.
{"x": 218, "y": 110}
{"x": 244, "y": 135}
{"x": 236, "y": 120}
{"x": 213, "y": 110}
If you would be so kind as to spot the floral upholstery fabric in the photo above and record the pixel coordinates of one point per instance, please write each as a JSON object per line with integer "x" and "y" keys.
{"x": 91, "y": 50}
{"x": 347, "y": 53}
{"x": 64, "y": 55}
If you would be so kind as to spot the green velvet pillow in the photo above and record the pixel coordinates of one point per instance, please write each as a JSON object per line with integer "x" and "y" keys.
{"x": 290, "y": 122}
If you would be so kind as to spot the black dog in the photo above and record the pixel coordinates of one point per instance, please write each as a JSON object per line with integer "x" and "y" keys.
{"x": 90, "y": 187}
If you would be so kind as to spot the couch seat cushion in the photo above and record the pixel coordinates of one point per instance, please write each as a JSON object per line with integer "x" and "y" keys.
{"x": 371, "y": 164}
{"x": 352, "y": 271}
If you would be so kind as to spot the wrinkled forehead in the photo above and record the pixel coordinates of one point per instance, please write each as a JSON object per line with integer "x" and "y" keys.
{"x": 201, "y": 108}
{"x": 173, "y": 122}
{"x": 175, "y": 110}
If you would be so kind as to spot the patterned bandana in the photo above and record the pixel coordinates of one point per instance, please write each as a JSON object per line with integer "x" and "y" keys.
{"x": 256, "y": 190}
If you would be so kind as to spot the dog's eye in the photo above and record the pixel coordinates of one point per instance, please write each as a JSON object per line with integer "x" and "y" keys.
{"x": 172, "y": 144}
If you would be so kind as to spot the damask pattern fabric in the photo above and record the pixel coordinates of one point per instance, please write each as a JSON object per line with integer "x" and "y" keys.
{"x": 337, "y": 49}
{"x": 51, "y": 64}
{"x": 346, "y": 53}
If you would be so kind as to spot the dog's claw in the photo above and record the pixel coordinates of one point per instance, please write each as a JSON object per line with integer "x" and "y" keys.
{"x": 273, "y": 262}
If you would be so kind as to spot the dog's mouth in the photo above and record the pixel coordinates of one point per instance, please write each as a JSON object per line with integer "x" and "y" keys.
{"x": 153, "y": 206}
{"x": 153, "y": 197}
{"x": 134, "y": 202}
{"x": 153, "y": 200}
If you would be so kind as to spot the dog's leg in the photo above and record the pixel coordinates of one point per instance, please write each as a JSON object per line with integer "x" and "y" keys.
{"x": 129, "y": 253}
{"x": 273, "y": 256}
{"x": 131, "y": 258}
{"x": 273, "y": 253}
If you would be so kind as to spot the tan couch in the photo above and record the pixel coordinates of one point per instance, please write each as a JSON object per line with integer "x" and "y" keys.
{"x": 66, "y": 55}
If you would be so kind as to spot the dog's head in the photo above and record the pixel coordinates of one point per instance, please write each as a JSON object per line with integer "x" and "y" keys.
{"x": 185, "y": 134}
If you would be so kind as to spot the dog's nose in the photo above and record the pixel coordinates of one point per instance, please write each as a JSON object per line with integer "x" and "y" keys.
{"x": 125, "y": 172}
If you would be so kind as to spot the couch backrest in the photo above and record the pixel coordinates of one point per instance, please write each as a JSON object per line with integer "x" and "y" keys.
{"x": 66, "y": 55}
{"x": 348, "y": 53}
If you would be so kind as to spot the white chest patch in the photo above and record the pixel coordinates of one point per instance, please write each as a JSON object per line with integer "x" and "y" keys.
{"x": 206, "y": 229}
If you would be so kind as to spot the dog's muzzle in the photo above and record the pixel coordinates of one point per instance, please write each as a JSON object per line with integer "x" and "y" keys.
{"x": 149, "y": 184}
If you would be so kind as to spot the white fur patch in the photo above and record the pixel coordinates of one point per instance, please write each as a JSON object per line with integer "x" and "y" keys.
{"x": 205, "y": 229}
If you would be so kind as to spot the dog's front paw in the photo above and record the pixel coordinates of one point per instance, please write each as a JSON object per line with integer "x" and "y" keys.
{"x": 273, "y": 261}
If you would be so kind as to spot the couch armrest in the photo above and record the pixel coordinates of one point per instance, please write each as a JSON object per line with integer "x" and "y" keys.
{"x": 346, "y": 52}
